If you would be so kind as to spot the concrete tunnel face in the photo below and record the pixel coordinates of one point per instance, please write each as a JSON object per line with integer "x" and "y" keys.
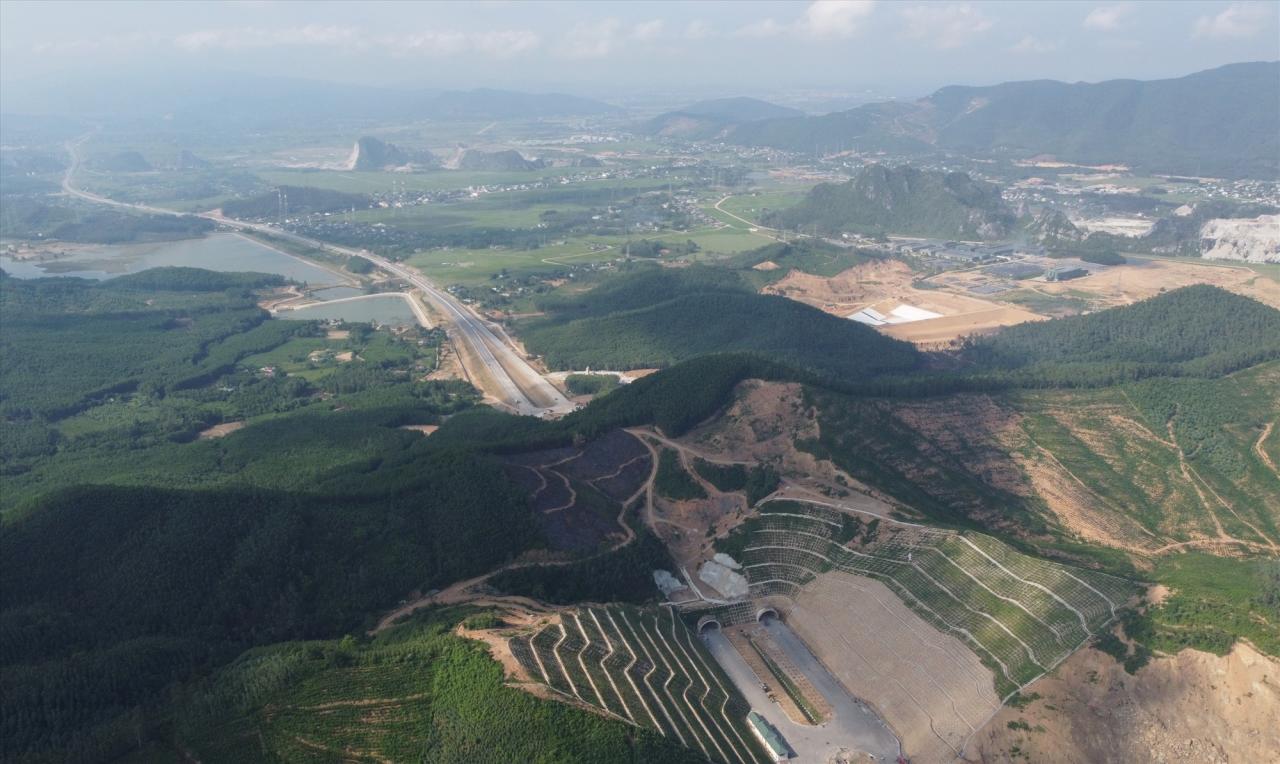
{"x": 707, "y": 622}
{"x": 766, "y": 613}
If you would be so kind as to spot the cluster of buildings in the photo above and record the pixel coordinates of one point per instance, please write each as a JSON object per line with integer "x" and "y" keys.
{"x": 953, "y": 252}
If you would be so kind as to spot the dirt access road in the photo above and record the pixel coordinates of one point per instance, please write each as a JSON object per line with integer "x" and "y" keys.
{"x": 491, "y": 363}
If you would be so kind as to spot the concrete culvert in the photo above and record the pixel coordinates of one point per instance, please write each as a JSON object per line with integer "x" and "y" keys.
{"x": 707, "y": 622}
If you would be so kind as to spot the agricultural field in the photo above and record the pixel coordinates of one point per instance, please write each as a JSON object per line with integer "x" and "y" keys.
{"x": 645, "y": 667}
{"x": 769, "y": 198}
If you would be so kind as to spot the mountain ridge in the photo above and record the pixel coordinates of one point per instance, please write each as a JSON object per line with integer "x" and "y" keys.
{"x": 1171, "y": 125}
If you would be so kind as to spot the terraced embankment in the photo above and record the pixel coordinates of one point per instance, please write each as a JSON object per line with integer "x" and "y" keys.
{"x": 933, "y": 628}
{"x": 645, "y": 667}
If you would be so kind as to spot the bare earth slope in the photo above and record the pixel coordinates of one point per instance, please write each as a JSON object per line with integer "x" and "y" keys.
{"x": 1192, "y": 707}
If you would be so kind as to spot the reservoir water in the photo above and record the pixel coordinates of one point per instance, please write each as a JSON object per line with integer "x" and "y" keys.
{"x": 336, "y": 293}
{"x": 218, "y": 252}
{"x": 387, "y": 309}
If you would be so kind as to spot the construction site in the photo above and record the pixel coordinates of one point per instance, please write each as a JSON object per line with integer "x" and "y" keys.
{"x": 837, "y": 630}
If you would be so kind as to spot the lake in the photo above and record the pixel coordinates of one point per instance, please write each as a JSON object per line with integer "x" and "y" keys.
{"x": 218, "y": 252}
{"x": 388, "y": 309}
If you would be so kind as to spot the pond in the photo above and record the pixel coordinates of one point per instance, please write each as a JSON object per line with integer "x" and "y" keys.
{"x": 218, "y": 252}
{"x": 386, "y": 309}
{"x": 335, "y": 293}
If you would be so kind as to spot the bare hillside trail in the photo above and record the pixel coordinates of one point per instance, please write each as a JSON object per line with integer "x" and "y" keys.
{"x": 465, "y": 591}
{"x": 1262, "y": 452}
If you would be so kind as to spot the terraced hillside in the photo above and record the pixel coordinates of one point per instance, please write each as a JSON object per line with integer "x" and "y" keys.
{"x": 1022, "y": 616}
{"x": 645, "y": 667}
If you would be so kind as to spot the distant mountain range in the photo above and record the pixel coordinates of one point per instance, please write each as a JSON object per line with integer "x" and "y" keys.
{"x": 1223, "y": 122}
{"x": 902, "y": 200}
{"x": 506, "y": 104}
{"x": 236, "y": 98}
{"x": 715, "y": 118}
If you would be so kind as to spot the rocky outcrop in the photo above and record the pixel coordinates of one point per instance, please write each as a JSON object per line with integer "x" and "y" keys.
{"x": 498, "y": 161}
{"x": 1250, "y": 240}
{"x": 1052, "y": 226}
{"x": 371, "y": 154}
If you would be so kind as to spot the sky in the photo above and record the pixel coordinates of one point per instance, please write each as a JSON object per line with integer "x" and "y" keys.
{"x": 898, "y": 49}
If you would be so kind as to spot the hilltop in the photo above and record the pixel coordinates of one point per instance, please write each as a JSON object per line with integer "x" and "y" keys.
{"x": 715, "y": 117}
{"x": 903, "y": 200}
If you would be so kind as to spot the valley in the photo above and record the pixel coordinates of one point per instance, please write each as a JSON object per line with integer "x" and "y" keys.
{"x": 382, "y": 424}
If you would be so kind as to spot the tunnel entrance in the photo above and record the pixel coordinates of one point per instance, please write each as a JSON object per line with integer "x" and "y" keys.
{"x": 707, "y": 623}
{"x": 766, "y": 613}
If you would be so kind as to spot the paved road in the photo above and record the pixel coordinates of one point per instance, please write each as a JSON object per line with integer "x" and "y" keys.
{"x": 508, "y": 377}
{"x": 853, "y": 726}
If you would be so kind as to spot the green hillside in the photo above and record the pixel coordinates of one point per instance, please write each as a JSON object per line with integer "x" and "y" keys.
{"x": 714, "y": 117}
{"x": 1199, "y": 329}
{"x": 413, "y": 693}
{"x": 901, "y": 200}
{"x": 663, "y": 318}
{"x": 1221, "y": 122}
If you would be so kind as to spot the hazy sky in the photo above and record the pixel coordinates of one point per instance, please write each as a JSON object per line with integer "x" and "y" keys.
{"x": 897, "y": 48}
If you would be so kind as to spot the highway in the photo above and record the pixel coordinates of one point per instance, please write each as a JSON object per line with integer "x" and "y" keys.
{"x": 494, "y": 366}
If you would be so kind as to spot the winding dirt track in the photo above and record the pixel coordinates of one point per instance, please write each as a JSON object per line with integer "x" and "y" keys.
{"x": 465, "y": 591}
{"x": 1262, "y": 452}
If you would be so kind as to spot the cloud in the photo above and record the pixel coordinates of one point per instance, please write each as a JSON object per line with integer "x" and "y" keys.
{"x": 697, "y": 30}
{"x": 590, "y": 39}
{"x": 430, "y": 42}
{"x": 599, "y": 39}
{"x": 834, "y": 19}
{"x": 761, "y": 29}
{"x": 1235, "y": 21}
{"x": 506, "y": 44}
{"x": 257, "y": 37}
{"x": 433, "y": 43}
{"x": 1108, "y": 18}
{"x": 647, "y": 31}
{"x": 98, "y": 44}
{"x": 1032, "y": 45}
{"x": 821, "y": 20}
{"x": 945, "y": 26}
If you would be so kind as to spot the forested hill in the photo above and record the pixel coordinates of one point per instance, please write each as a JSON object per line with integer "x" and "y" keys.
{"x": 663, "y": 317}
{"x": 902, "y": 200}
{"x": 1200, "y": 329}
{"x": 1224, "y": 122}
{"x": 111, "y": 594}
{"x": 740, "y": 109}
{"x": 706, "y": 119}
{"x": 82, "y": 340}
